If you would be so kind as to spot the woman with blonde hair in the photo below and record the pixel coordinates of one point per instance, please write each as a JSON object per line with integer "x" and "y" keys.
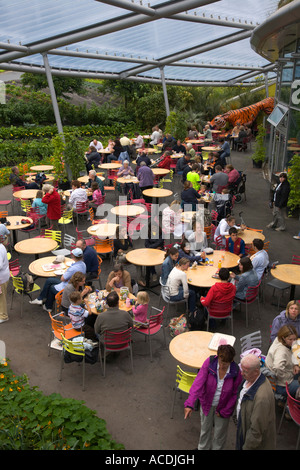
{"x": 281, "y": 362}
{"x": 289, "y": 316}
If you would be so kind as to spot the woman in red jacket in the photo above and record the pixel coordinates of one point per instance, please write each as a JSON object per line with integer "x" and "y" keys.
{"x": 52, "y": 198}
{"x": 166, "y": 162}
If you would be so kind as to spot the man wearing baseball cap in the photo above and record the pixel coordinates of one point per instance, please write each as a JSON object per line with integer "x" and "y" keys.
{"x": 54, "y": 284}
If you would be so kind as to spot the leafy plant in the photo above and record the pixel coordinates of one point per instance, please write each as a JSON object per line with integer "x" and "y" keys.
{"x": 31, "y": 420}
{"x": 176, "y": 125}
{"x": 294, "y": 180}
{"x": 259, "y": 154}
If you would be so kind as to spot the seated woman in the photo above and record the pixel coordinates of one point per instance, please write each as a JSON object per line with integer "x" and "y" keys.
{"x": 197, "y": 239}
{"x": 289, "y": 316}
{"x": 77, "y": 282}
{"x": 185, "y": 252}
{"x": 171, "y": 219}
{"x": 122, "y": 244}
{"x": 169, "y": 263}
{"x": 247, "y": 278}
{"x": 118, "y": 278}
{"x": 124, "y": 171}
{"x": 233, "y": 175}
{"x": 178, "y": 286}
{"x": 189, "y": 197}
{"x": 280, "y": 361}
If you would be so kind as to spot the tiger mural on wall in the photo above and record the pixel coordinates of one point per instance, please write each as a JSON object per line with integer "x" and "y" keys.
{"x": 243, "y": 116}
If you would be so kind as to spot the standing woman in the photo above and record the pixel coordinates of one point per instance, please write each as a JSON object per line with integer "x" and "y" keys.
{"x": 52, "y": 198}
{"x": 216, "y": 387}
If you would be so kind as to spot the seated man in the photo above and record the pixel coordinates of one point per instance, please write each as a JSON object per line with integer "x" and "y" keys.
{"x": 234, "y": 243}
{"x": 15, "y": 180}
{"x": 178, "y": 147}
{"x": 182, "y": 163}
{"x": 113, "y": 319}
{"x": 223, "y": 291}
{"x": 260, "y": 259}
{"x": 92, "y": 158}
{"x": 54, "y": 284}
{"x": 218, "y": 180}
{"x": 90, "y": 259}
{"x": 94, "y": 177}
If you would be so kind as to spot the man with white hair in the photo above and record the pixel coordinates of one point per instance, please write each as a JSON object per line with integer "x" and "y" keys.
{"x": 256, "y": 428}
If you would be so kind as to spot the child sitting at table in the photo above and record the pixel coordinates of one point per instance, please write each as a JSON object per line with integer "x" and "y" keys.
{"x": 37, "y": 202}
{"x": 234, "y": 243}
{"x": 140, "y": 309}
{"x": 96, "y": 198}
{"x": 78, "y": 314}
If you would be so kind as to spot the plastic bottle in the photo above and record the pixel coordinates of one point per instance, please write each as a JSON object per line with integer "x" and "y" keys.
{"x": 219, "y": 264}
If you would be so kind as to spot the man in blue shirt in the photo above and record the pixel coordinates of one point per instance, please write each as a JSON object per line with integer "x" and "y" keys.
{"x": 90, "y": 259}
{"x": 54, "y": 284}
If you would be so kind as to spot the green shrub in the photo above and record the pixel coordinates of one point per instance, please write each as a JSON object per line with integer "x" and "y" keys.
{"x": 31, "y": 420}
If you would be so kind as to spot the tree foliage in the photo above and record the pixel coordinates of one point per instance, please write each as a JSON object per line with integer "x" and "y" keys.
{"x": 62, "y": 85}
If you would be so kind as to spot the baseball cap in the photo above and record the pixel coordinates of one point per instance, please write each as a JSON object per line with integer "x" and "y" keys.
{"x": 77, "y": 252}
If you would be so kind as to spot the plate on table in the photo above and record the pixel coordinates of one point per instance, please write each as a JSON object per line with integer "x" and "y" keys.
{"x": 93, "y": 229}
{"x": 69, "y": 263}
{"x": 48, "y": 267}
{"x": 59, "y": 272}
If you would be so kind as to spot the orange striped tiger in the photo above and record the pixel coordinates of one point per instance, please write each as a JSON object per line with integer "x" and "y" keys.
{"x": 244, "y": 116}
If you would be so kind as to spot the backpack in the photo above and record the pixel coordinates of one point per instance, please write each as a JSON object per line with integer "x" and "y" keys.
{"x": 40, "y": 178}
{"x": 196, "y": 320}
{"x": 28, "y": 281}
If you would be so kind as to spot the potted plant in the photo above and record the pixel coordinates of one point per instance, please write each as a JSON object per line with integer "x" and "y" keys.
{"x": 259, "y": 155}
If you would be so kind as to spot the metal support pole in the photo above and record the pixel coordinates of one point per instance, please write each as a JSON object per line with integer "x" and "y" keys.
{"x": 163, "y": 82}
{"x": 266, "y": 85}
{"x": 55, "y": 105}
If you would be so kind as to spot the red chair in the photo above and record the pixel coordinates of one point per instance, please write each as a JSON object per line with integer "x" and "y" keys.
{"x": 293, "y": 407}
{"x": 219, "y": 243}
{"x": 82, "y": 208}
{"x": 295, "y": 259}
{"x": 116, "y": 342}
{"x": 14, "y": 267}
{"x": 83, "y": 235}
{"x": 154, "y": 325}
{"x": 251, "y": 296}
{"x": 220, "y": 311}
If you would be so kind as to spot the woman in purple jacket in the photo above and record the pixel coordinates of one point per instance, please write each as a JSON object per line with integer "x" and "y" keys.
{"x": 216, "y": 387}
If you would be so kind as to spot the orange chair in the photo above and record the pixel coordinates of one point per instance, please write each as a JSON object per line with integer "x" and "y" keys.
{"x": 58, "y": 328}
{"x": 99, "y": 272}
{"x": 104, "y": 247}
{"x": 116, "y": 342}
{"x": 154, "y": 325}
{"x": 58, "y": 299}
{"x": 3, "y": 214}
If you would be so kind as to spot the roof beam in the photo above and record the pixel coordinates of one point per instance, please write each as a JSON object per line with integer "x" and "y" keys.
{"x": 113, "y": 76}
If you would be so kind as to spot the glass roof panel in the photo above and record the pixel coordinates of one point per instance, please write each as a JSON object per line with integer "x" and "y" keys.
{"x": 183, "y": 36}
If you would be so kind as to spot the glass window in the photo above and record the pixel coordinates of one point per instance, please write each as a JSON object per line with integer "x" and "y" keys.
{"x": 286, "y": 81}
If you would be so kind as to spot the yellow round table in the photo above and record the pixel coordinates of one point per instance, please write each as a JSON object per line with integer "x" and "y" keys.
{"x": 25, "y": 194}
{"x": 34, "y": 246}
{"x": 42, "y": 167}
{"x": 126, "y": 210}
{"x": 110, "y": 166}
{"x": 160, "y": 171}
{"x": 146, "y": 257}
{"x": 43, "y": 267}
{"x": 289, "y": 273}
{"x": 157, "y": 193}
{"x": 249, "y": 235}
{"x": 106, "y": 230}
{"x": 191, "y": 348}
{"x": 201, "y": 276}
{"x": 15, "y": 224}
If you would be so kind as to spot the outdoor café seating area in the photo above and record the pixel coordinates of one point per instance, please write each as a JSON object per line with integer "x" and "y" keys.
{"x": 137, "y": 366}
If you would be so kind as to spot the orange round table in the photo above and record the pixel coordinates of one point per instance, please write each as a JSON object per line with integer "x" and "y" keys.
{"x": 289, "y": 273}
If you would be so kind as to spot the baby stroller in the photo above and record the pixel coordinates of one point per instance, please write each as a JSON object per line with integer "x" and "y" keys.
{"x": 223, "y": 205}
{"x": 238, "y": 188}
